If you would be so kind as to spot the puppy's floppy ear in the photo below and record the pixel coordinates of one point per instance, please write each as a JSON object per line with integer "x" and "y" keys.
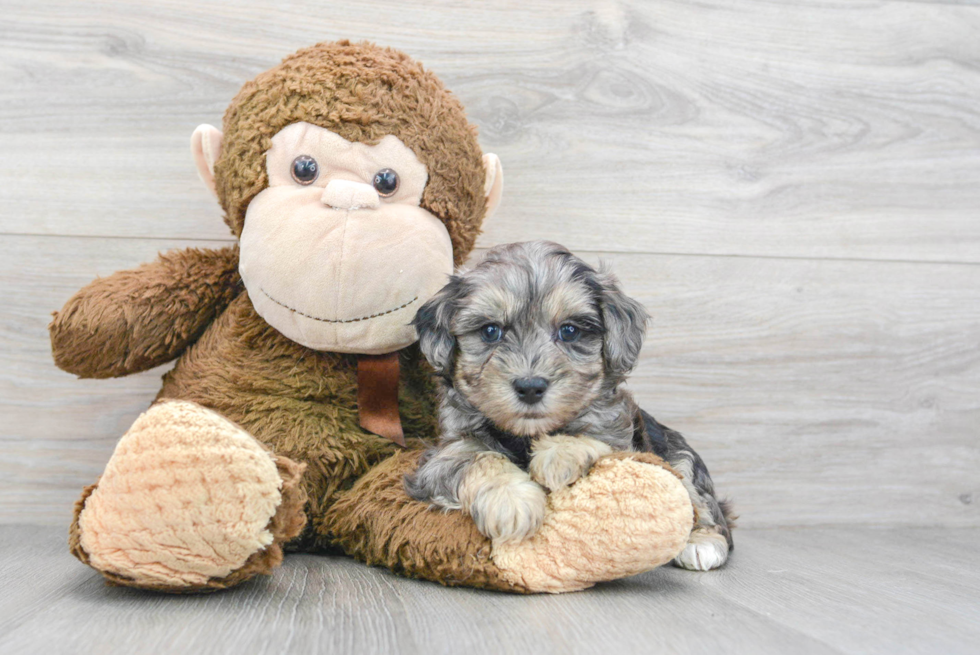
{"x": 433, "y": 322}
{"x": 626, "y": 323}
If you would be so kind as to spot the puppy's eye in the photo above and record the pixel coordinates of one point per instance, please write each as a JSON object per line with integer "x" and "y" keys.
{"x": 491, "y": 333}
{"x": 569, "y": 333}
{"x": 305, "y": 170}
{"x": 386, "y": 182}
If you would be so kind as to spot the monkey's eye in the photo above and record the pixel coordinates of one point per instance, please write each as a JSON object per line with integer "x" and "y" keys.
{"x": 305, "y": 170}
{"x": 491, "y": 333}
{"x": 569, "y": 333}
{"x": 386, "y": 182}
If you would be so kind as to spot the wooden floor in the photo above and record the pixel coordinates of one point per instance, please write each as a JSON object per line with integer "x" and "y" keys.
{"x": 808, "y": 590}
{"x": 792, "y": 189}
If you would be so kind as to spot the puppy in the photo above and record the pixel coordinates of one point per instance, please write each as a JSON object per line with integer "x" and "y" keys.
{"x": 532, "y": 347}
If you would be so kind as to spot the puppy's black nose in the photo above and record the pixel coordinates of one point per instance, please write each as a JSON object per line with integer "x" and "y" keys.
{"x": 530, "y": 390}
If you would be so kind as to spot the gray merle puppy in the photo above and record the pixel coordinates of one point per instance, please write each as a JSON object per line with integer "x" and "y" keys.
{"x": 532, "y": 347}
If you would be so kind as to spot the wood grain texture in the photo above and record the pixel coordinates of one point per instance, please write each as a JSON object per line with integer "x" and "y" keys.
{"x": 791, "y": 189}
{"x": 831, "y": 129}
{"x": 783, "y": 591}
{"x": 818, "y": 392}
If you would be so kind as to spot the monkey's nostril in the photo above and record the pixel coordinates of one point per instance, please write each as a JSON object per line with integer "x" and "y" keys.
{"x": 530, "y": 390}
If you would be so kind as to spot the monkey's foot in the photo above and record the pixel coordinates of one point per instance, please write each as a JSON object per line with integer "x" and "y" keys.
{"x": 628, "y": 515}
{"x": 188, "y": 502}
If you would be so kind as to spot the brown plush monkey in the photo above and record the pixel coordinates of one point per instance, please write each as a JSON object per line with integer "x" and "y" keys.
{"x": 354, "y": 183}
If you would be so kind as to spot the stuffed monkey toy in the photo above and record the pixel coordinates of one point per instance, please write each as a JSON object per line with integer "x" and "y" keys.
{"x": 299, "y": 399}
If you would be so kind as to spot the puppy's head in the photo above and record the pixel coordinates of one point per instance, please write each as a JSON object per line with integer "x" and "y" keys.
{"x": 531, "y": 335}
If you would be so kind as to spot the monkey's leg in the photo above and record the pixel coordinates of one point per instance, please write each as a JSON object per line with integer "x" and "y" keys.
{"x": 630, "y": 514}
{"x": 188, "y": 502}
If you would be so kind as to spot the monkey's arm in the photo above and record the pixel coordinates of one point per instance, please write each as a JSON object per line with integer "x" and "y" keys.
{"x": 134, "y": 320}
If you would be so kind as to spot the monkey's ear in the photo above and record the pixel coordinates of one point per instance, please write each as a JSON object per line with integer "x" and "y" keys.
{"x": 625, "y": 321}
{"x": 433, "y": 322}
{"x": 206, "y": 148}
{"x": 493, "y": 188}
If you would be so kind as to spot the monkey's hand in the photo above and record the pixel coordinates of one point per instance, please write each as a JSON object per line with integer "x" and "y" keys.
{"x": 503, "y": 501}
{"x": 134, "y": 320}
{"x": 558, "y": 460}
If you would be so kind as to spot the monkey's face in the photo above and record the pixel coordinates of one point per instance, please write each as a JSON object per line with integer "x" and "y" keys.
{"x": 354, "y": 182}
{"x": 336, "y": 252}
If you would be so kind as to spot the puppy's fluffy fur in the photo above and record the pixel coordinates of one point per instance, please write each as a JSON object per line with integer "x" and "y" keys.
{"x": 532, "y": 347}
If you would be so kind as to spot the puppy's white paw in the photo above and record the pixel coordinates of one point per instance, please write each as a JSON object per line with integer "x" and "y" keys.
{"x": 503, "y": 501}
{"x": 558, "y": 460}
{"x": 704, "y": 551}
{"x": 511, "y": 512}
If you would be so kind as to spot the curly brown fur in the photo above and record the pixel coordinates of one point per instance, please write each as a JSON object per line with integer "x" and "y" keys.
{"x": 532, "y": 347}
{"x": 300, "y": 402}
{"x": 134, "y": 320}
{"x": 380, "y": 524}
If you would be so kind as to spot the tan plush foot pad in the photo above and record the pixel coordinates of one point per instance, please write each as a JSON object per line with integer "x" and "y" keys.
{"x": 629, "y": 515}
{"x": 188, "y": 502}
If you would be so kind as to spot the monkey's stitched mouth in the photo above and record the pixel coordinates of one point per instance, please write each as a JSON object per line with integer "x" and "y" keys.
{"x": 337, "y": 320}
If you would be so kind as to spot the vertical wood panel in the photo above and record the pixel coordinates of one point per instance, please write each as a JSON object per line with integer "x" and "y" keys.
{"x": 780, "y": 182}
{"x": 841, "y": 130}
{"x": 817, "y": 391}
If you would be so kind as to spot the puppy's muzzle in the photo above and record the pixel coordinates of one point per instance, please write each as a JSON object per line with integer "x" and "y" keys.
{"x": 530, "y": 391}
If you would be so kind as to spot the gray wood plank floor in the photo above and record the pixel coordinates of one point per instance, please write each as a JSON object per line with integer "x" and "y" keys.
{"x": 807, "y": 590}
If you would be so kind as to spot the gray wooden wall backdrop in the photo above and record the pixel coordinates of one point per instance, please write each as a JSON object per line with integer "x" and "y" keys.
{"x": 791, "y": 187}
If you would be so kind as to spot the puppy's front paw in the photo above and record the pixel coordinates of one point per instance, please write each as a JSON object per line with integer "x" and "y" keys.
{"x": 503, "y": 501}
{"x": 559, "y": 460}
{"x": 510, "y": 512}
